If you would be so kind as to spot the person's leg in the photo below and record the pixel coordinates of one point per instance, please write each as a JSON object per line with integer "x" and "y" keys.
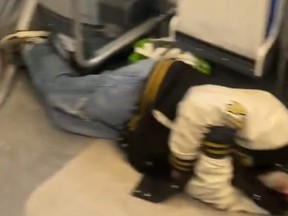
{"x": 44, "y": 65}
{"x": 108, "y": 98}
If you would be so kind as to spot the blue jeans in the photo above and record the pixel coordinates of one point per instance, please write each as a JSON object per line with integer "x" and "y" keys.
{"x": 92, "y": 105}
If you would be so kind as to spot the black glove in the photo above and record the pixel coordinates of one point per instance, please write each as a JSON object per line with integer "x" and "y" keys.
{"x": 218, "y": 141}
{"x": 158, "y": 190}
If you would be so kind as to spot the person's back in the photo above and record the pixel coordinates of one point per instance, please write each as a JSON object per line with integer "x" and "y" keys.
{"x": 265, "y": 119}
{"x": 208, "y": 119}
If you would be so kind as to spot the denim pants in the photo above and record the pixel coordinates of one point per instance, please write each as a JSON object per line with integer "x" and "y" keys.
{"x": 92, "y": 105}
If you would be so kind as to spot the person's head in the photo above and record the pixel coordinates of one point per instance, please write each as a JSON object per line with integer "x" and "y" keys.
{"x": 276, "y": 180}
{"x": 270, "y": 166}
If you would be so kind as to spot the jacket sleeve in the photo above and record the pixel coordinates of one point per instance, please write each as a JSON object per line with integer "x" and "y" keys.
{"x": 201, "y": 122}
{"x": 212, "y": 185}
{"x": 186, "y": 136}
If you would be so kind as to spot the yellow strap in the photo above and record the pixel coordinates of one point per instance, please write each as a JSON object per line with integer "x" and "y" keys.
{"x": 179, "y": 166}
{"x": 175, "y": 160}
{"x": 216, "y": 145}
{"x": 218, "y": 152}
{"x": 154, "y": 83}
{"x": 151, "y": 90}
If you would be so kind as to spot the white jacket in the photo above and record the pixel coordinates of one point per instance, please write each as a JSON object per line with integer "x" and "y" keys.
{"x": 264, "y": 127}
{"x": 212, "y": 185}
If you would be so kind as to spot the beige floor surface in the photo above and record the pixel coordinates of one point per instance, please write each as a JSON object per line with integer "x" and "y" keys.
{"x": 98, "y": 182}
{"x": 31, "y": 149}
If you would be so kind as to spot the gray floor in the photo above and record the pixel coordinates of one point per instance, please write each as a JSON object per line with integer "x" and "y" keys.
{"x": 31, "y": 149}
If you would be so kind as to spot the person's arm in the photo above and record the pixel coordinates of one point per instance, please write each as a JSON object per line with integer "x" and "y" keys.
{"x": 197, "y": 129}
{"x": 186, "y": 137}
{"x": 212, "y": 185}
{"x": 214, "y": 173}
{"x": 192, "y": 139}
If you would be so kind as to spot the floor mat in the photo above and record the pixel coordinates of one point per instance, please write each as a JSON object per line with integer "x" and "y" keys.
{"x": 99, "y": 182}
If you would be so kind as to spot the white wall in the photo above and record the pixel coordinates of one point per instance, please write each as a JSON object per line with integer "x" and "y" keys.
{"x": 237, "y": 25}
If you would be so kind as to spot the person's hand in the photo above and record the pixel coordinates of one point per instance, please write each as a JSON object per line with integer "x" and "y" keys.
{"x": 247, "y": 181}
{"x": 276, "y": 180}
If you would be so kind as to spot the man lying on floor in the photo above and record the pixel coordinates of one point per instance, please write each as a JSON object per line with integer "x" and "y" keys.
{"x": 100, "y": 105}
